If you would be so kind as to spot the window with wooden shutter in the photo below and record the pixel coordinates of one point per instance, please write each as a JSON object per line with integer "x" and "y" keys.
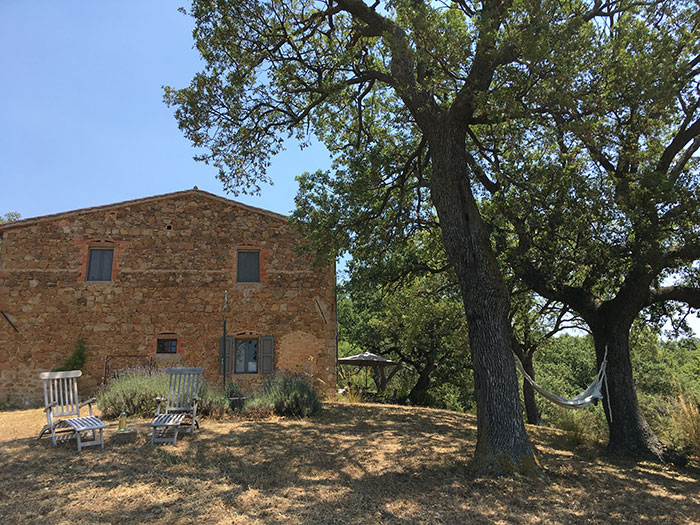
{"x": 227, "y": 353}
{"x": 100, "y": 264}
{"x": 267, "y": 354}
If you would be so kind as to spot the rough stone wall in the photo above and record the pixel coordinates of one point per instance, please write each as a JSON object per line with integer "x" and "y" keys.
{"x": 173, "y": 259}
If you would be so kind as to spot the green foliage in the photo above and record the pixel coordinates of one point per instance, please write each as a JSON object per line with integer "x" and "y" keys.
{"x": 286, "y": 395}
{"x": 418, "y": 321}
{"x": 666, "y": 379}
{"x": 233, "y": 389}
{"x": 665, "y": 368}
{"x": 565, "y": 366}
{"x": 76, "y": 359}
{"x": 9, "y": 217}
{"x": 583, "y": 426}
{"x": 135, "y": 393}
{"x": 451, "y": 396}
{"x": 213, "y": 401}
{"x": 600, "y": 189}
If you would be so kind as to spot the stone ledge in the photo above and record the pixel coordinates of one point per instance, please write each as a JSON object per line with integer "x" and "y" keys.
{"x": 124, "y": 436}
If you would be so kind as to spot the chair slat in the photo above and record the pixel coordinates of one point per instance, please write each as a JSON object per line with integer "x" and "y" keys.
{"x": 61, "y": 395}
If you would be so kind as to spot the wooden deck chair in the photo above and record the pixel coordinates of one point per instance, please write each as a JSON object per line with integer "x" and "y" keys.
{"x": 181, "y": 403}
{"x": 62, "y": 409}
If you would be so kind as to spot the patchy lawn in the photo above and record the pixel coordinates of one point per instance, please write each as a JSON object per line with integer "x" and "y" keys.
{"x": 351, "y": 464}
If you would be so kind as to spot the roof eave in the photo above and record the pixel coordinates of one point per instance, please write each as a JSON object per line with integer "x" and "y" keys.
{"x": 94, "y": 209}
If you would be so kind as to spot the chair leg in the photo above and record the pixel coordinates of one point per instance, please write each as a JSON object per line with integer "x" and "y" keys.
{"x": 102, "y": 441}
{"x": 80, "y": 444}
{"x": 44, "y": 430}
{"x": 175, "y": 438}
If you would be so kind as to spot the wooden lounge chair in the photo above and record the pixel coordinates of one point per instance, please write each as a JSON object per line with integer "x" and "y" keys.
{"x": 61, "y": 401}
{"x": 181, "y": 404}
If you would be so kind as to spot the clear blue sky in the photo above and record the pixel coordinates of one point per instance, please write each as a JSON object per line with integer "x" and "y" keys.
{"x": 82, "y": 122}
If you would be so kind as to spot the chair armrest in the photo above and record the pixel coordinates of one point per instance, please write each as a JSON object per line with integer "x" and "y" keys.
{"x": 159, "y": 400}
{"x": 50, "y": 406}
{"x": 88, "y": 402}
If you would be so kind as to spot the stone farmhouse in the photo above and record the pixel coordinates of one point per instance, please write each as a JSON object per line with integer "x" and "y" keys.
{"x": 145, "y": 281}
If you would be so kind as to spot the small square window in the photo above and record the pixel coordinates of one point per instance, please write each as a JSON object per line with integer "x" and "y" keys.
{"x": 248, "y": 268}
{"x": 166, "y": 346}
{"x": 100, "y": 264}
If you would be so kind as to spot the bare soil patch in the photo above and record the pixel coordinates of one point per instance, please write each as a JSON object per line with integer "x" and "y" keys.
{"x": 358, "y": 464}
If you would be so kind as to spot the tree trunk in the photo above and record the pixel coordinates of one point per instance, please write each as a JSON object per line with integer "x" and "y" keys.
{"x": 419, "y": 393}
{"x": 532, "y": 411}
{"x": 630, "y": 434}
{"x": 502, "y": 444}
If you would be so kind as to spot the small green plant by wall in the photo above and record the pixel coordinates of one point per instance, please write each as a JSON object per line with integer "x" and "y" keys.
{"x": 77, "y": 358}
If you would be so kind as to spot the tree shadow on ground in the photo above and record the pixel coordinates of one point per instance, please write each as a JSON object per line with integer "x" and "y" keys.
{"x": 350, "y": 464}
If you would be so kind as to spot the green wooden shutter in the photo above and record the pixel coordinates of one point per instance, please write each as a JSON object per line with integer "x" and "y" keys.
{"x": 229, "y": 354}
{"x": 267, "y": 353}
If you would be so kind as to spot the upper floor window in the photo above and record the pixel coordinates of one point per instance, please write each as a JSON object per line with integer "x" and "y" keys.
{"x": 100, "y": 264}
{"x": 248, "y": 267}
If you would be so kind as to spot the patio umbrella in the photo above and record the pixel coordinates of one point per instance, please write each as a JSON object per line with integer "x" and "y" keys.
{"x": 368, "y": 359}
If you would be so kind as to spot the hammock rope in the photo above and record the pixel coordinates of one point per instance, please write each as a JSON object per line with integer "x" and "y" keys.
{"x": 585, "y": 398}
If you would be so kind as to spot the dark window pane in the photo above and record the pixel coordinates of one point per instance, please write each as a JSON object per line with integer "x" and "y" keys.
{"x": 248, "y": 267}
{"x": 253, "y": 356}
{"x": 100, "y": 265}
{"x": 166, "y": 346}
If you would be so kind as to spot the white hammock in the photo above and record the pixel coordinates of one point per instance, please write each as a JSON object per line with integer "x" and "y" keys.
{"x": 585, "y": 398}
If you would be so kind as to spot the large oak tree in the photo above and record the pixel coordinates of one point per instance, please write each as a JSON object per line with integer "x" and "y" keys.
{"x": 342, "y": 69}
{"x": 602, "y": 187}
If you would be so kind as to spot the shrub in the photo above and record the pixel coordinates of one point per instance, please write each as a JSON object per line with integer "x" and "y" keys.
{"x": 77, "y": 358}
{"x": 213, "y": 401}
{"x": 286, "y": 395}
{"x": 233, "y": 389}
{"x": 583, "y": 426}
{"x": 135, "y": 392}
{"x": 352, "y": 394}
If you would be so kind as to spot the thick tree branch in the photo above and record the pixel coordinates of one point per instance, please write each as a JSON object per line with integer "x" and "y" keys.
{"x": 686, "y": 253}
{"x": 419, "y": 102}
{"x": 683, "y": 294}
{"x": 486, "y": 60}
{"x": 677, "y": 144}
{"x": 576, "y": 297}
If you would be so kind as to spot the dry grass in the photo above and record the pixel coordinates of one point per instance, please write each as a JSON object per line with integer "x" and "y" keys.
{"x": 685, "y": 418}
{"x": 351, "y": 464}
